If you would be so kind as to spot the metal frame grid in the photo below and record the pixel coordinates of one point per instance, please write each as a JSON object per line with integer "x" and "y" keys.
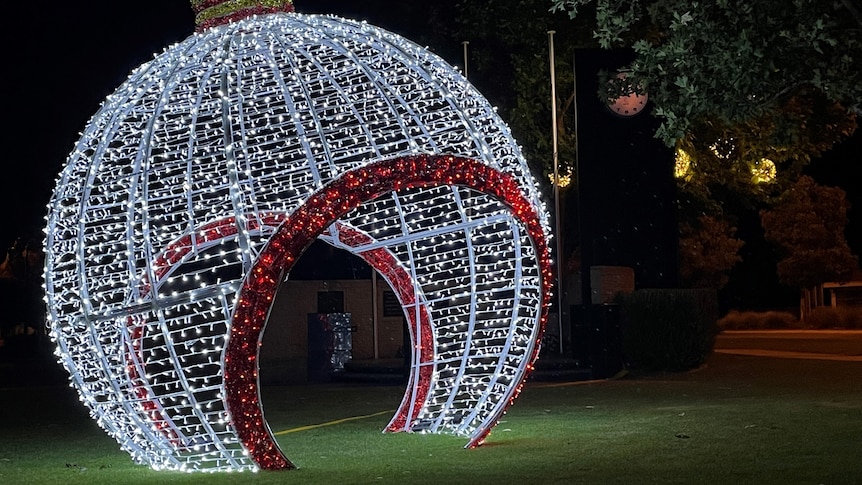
{"x": 204, "y": 176}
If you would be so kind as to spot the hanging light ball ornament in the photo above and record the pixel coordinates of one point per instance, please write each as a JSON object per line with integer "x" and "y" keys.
{"x": 202, "y": 179}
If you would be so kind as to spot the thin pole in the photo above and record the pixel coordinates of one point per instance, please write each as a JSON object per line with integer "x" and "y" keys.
{"x": 556, "y": 184}
{"x": 585, "y": 284}
{"x": 465, "y": 43}
{"x": 374, "y": 314}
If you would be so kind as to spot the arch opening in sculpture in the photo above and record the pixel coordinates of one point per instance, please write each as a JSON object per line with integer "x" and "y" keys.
{"x": 298, "y": 231}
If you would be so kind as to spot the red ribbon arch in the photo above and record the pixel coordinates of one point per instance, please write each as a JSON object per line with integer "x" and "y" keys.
{"x": 302, "y": 227}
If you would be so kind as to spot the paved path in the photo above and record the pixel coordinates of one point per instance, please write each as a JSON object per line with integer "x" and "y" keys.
{"x": 841, "y": 345}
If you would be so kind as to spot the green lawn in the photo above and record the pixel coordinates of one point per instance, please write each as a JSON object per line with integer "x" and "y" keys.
{"x": 738, "y": 420}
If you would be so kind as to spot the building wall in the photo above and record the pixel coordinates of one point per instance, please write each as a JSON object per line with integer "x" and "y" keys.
{"x": 848, "y": 298}
{"x": 284, "y": 350}
{"x": 847, "y": 294}
{"x": 844, "y": 296}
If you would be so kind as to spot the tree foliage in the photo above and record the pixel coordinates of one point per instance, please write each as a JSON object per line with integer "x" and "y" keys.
{"x": 807, "y": 225}
{"x": 747, "y": 92}
{"x": 708, "y": 250}
{"x": 509, "y": 61}
{"x": 732, "y": 62}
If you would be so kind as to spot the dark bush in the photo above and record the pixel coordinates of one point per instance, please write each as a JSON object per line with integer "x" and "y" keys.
{"x": 668, "y": 329}
{"x": 736, "y": 320}
{"x": 821, "y": 317}
{"x": 828, "y": 317}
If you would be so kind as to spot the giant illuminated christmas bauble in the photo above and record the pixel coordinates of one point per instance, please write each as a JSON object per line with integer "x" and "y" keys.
{"x": 204, "y": 176}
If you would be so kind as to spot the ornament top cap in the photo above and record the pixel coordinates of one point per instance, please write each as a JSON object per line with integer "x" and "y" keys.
{"x": 210, "y": 13}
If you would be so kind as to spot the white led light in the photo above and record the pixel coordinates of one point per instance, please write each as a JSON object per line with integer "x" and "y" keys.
{"x": 188, "y": 170}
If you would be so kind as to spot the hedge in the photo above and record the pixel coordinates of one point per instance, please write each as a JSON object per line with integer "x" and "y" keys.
{"x": 668, "y": 329}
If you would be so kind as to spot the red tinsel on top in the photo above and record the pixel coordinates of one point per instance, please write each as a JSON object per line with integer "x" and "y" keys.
{"x": 211, "y": 13}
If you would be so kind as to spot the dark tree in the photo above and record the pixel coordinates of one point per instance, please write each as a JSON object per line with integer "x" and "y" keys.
{"x": 807, "y": 225}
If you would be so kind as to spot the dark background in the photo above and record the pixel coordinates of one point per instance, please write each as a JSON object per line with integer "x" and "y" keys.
{"x": 627, "y": 214}
{"x": 63, "y": 59}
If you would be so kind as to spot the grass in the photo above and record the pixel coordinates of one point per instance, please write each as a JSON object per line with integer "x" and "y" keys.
{"x": 742, "y": 420}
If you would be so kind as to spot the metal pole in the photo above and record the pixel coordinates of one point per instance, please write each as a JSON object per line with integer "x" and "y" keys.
{"x": 374, "y": 314}
{"x": 556, "y": 183}
{"x": 585, "y": 283}
{"x": 465, "y": 43}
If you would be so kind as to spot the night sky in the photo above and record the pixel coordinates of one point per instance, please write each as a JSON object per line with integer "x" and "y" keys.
{"x": 62, "y": 60}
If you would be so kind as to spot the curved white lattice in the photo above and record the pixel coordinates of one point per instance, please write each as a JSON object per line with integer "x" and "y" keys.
{"x": 206, "y": 174}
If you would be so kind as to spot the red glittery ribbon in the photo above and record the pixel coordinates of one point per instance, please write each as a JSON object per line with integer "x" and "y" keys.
{"x": 294, "y": 234}
{"x": 303, "y": 226}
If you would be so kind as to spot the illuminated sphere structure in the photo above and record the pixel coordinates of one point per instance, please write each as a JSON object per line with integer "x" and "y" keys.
{"x": 204, "y": 176}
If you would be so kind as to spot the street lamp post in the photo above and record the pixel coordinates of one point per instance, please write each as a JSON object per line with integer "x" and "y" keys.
{"x": 465, "y": 43}
{"x": 556, "y": 184}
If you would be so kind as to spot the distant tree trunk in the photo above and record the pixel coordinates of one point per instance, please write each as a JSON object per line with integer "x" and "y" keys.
{"x": 809, "y": 299}
{"x": 804, "y": 304}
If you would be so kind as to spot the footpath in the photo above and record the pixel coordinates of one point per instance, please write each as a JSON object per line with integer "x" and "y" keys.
{"x": 839, "y": 345}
